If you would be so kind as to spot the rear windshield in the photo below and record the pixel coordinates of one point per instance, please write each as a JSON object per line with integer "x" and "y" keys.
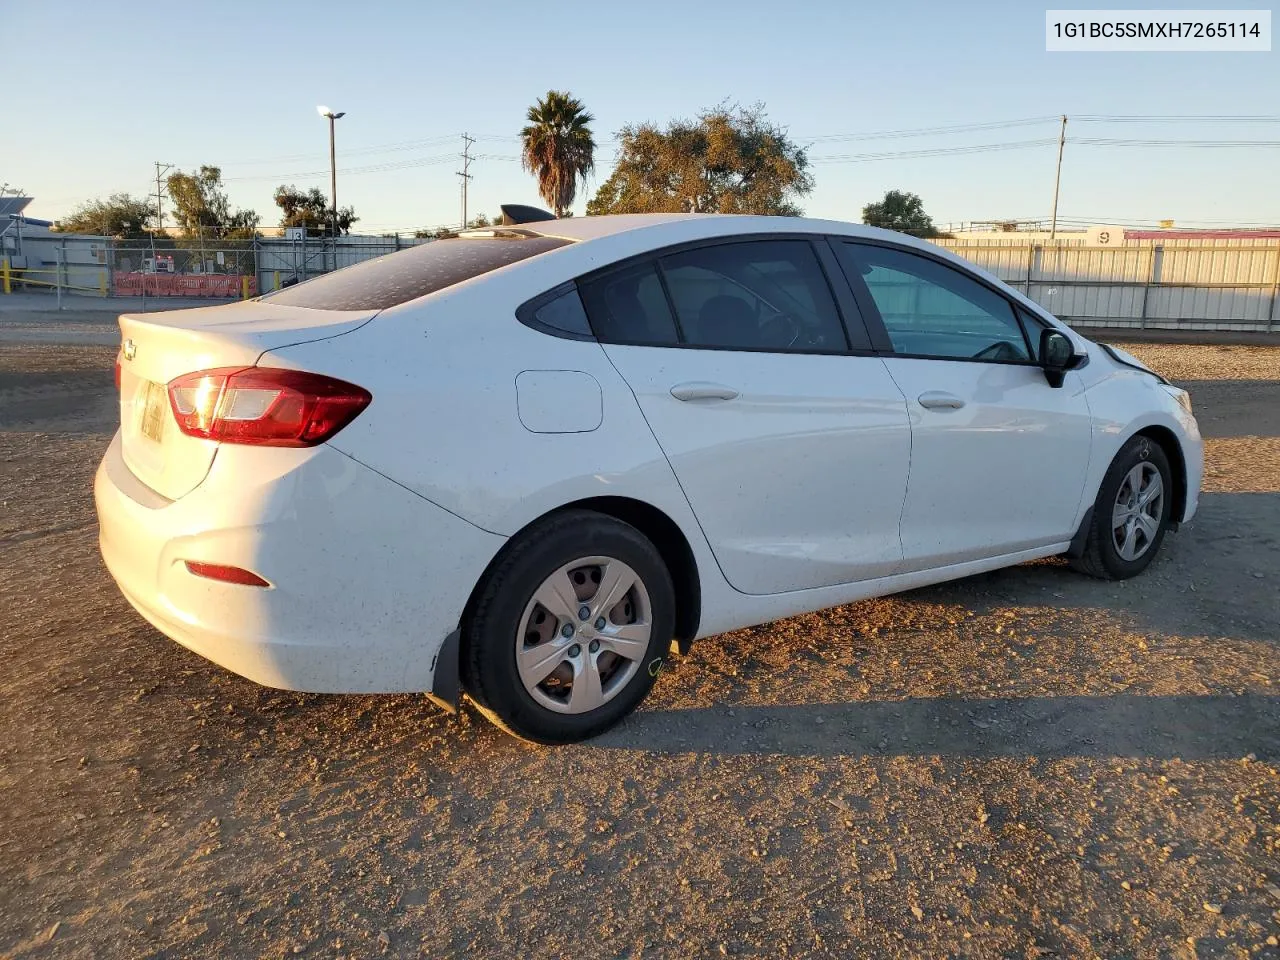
{"x": 409, "y": 274}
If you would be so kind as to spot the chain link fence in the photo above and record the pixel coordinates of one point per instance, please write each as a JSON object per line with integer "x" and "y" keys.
{"x": 188, "y": 268}
{"x": 224, "y": 270}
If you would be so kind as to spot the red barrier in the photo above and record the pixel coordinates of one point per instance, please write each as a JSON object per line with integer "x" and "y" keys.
{"x": 182, "y": 285}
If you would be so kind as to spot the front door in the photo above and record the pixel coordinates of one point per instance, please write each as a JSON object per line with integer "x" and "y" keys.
{"x": 998, "y": 457}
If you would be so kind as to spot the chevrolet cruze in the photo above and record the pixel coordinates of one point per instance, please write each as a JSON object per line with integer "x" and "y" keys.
{"x": 524, "y": 463}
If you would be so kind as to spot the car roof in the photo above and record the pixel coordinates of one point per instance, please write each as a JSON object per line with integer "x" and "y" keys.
{"x": 592, "y": 228}
{"x": 696, "y": 226}
{"x": 602, "y": 240}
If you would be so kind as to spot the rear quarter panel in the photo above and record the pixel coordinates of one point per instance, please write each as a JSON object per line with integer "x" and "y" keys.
{"x": 445, "y": 420}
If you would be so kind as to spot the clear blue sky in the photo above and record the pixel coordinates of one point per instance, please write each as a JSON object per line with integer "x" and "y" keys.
{"x": 95, "y": 92}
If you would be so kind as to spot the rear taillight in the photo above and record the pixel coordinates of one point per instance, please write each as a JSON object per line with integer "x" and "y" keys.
{"x": 117, "y": 371}
{"x": 264, "y": 406}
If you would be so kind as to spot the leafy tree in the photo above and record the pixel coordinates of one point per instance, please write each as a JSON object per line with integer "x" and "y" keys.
{"x": 900, "y": 211}
{"x": 558, "y": 148}
{"x": 728, "y": 160}
{"x": 120, "y": 215}
{"x": 310, "y": 209}
{"x": 202, "y": 208}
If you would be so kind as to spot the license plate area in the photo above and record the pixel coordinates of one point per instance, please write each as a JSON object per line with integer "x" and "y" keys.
{"x": 155, "y": 410}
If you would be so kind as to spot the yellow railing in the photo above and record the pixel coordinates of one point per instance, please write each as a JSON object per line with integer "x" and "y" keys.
{"x": 10, "y": 275}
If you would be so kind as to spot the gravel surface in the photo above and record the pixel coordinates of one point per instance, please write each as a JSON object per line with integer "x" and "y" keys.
{"x": 1022, "y": 764}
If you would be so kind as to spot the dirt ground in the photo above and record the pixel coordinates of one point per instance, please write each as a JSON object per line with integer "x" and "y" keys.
{"x": 1022, "y": 764}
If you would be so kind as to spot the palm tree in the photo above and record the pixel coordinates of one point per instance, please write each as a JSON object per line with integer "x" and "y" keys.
{"x": 558, "y": 148}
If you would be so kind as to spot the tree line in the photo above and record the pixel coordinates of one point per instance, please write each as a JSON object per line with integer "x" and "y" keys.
{"x": 727, "y": 159}
{"x": 202, "y": 210}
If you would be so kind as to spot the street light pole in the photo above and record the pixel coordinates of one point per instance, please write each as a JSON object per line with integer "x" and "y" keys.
{"x": 331, "y": 116}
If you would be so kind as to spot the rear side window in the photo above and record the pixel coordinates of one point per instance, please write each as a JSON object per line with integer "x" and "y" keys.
{"x": 761, "y": 295}
{"x": 400, "y": 277}
{"x": 630, "y": 306}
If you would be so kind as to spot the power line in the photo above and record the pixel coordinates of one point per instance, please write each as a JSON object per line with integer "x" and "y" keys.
{"x": 398, "y": 146}
{"x": 928, "y": 131}
{"x": 1114, "y": 142}
{"x": 825, "y": 138}
{"x": 1152, "y": 118}
{"x": 393, "y": 147}
{"x": 347, "y": 171}
{"x": 1025, "y": 144}
{"x": 934, "y": 151}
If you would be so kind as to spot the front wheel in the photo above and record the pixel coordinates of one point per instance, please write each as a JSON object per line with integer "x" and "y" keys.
{"x": 1131, "y": 513}
{"x": 570, "y": 628}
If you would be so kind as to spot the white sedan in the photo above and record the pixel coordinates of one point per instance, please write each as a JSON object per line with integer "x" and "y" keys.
{"x": 525, "y": 462}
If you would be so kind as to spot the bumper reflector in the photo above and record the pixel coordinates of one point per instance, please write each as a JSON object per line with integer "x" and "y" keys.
{"x": 218, "y": 571}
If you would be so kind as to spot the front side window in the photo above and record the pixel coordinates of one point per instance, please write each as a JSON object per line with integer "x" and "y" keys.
{"x": 1034, "y": 327}
{"x": 932, "y": 310}
{"x": 759, "y": 295}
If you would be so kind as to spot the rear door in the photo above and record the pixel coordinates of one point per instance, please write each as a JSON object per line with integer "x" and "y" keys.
{"x": 998, "y": 457}
{"x": 790, "y": 443}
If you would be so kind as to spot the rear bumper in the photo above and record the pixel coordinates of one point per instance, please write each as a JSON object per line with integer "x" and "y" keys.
{"x": 367, "y": 579}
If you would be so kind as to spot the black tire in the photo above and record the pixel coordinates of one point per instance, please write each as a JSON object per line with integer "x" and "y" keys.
{"x": 1101, "y": 557}
{"x": 490, "y": 674}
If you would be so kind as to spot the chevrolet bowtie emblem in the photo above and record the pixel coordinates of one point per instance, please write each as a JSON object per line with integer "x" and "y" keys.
{"x": 130, "y": 350}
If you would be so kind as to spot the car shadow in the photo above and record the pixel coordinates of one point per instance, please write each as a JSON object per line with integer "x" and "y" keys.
{"x": 1188, "y": 727}
{"x": 1235, "y": 408}
{"x": 59, "y": 401}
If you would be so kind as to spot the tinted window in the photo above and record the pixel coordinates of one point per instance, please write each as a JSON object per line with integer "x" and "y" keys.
{"x": 765, "y": 295}
{"x": 932, "y": 310}
{"x": 564, "y": 313}
{"x": 629, "y": 306}
{"x": 409, "y": 274}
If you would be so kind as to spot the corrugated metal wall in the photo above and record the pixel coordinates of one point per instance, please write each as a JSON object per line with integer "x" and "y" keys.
{"x": 1172, "y": 284}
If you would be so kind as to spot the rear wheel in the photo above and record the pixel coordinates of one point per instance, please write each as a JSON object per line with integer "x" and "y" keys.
{"x": 570, "y": 628}
{"x": 1131, "y": 513}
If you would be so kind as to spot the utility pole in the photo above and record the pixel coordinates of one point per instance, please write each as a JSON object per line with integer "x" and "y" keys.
{"x": 161, "y": 170}
{"x": 1057, "y": 178}
{"x": 466, "y": 165}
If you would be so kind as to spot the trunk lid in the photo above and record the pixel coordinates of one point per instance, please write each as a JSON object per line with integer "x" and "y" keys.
{"x": 157, "y": 347}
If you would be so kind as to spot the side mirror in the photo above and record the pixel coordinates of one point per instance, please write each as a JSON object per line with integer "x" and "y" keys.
{"x": 1057, "y": 356}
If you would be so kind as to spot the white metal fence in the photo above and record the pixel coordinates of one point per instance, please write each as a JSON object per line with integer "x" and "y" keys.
{"x": 1147, "y": 284}
{"x": 1169, "y": 285}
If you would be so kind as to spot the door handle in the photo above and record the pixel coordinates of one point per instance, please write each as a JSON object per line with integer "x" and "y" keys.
{"x": 939, "y": 400}
{"x": 702, "y": 390}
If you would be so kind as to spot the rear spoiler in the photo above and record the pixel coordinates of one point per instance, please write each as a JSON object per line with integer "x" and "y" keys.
{"x": 514, "y": 214}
